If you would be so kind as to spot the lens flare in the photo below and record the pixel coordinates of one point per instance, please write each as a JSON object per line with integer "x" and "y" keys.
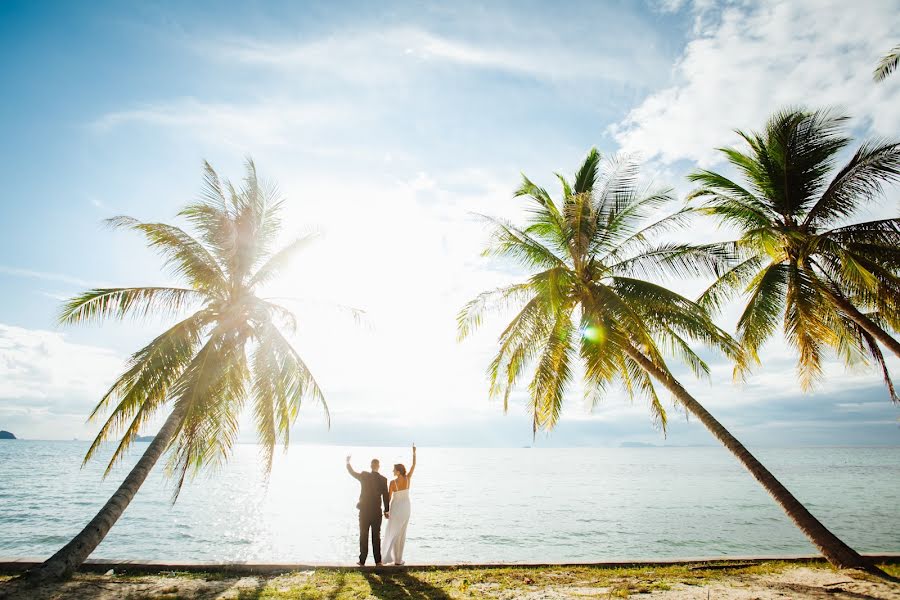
{"x": 593, "y": 333}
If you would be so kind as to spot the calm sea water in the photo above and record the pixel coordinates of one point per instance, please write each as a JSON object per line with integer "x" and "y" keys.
{"x": 468, "y": 504}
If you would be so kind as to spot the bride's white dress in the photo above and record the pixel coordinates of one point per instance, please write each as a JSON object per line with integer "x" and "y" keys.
{"x": 395, "y": 536}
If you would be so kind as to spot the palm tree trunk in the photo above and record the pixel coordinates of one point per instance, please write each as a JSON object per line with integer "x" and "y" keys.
{"x": 863, "y": 321}
{"x": 62, "y": 564}
{"x": 832, "y": 548}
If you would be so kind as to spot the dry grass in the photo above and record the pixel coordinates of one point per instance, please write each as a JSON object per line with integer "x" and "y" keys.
{"x": 763, "y": 580}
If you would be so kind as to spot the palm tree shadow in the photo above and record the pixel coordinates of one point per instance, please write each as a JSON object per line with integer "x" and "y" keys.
{"x": 399, "y": 585}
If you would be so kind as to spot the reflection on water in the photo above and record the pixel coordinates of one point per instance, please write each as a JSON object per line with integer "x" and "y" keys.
{"x": 468, "y": 504}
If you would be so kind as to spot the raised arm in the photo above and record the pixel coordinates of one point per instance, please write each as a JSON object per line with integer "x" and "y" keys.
{"x": 350, "y": 470}
{"x": 412, "y": 468}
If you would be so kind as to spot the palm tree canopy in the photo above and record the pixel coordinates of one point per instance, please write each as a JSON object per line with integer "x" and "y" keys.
{"x": 887, "y": 64}
{"x": 229, "y": 350}
{"x": 585, "y": 300}
{"x": 798, "y": 247}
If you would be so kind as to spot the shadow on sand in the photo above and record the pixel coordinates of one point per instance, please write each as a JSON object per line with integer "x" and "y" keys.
{"x": 400, "y": 585}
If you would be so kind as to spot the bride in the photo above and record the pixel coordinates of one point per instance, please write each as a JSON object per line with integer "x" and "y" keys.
{"x": 398, "y": 516}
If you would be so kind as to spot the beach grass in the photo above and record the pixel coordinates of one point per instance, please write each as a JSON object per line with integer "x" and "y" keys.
{"x": 499, "y": 583}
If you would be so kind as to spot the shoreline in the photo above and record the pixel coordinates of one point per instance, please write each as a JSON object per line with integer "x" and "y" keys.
{"x": 11, "y": 565}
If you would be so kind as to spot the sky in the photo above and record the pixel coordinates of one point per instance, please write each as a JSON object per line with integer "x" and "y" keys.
{"x": 386, "y": 126}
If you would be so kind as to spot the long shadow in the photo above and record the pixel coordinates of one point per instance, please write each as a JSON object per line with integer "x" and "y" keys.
{"x": 818, "y": 592}
{"x": 342, "y": 583}
{"x": 401, "y": 585}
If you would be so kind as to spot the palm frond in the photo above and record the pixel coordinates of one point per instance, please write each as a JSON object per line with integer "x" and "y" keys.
{"x": 804, "y": 325}
{"x": 508, "y": 241}
{"x": 765, "y": 307}
{"x": 211, "y": 393}
{"x": 586, "y": 177}
{"x": 553, "y": 373}
{"x": 280, "y": 382}
{"x": 862, "y": 179}
{"x": 730, "y": 284}
{"x": 120, "y": 303}
{"x": 471, "y": 315}
{"x": 679, "y": 260}
{"x": 642, "y": 238}
{"x": 887, "y": 64}
{"x": 885, "y": 232}
{"x": 278, "y": 261}
{"x": 143, "y": 388}
{"x": 520, "y": 342}
{"x": 184, "y": 255}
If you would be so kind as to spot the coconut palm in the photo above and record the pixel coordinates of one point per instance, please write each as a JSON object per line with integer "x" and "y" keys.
{"x": 887, "y": 64}
{"x": 204, "y": 369}
{"x": 586, "y": 306}
{"x": 802, "y": 262}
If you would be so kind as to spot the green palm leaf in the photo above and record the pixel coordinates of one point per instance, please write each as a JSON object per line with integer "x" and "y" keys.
{"x": 887, "y": 64}
{"x": 583, "y": 302}
{"x": 120, "y": 303}
{"x": 798, "y": 256}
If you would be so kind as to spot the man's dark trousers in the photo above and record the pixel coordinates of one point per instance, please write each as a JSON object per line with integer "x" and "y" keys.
{"x": 370, "y": 520}
{"x": 373, "y": 491}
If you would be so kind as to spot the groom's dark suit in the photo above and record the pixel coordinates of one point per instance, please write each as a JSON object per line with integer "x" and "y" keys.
{"x": 373, "y": 489}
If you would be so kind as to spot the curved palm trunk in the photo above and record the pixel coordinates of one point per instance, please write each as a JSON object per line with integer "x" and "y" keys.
{"x": 870, "y": 327}
{"x": 832, "y": 548}
{"x": 72, "y": 555}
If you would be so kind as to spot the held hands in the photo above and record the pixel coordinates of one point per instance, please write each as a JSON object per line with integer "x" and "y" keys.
{"x": 387, "y": 515}
{"x": 414, "y": 447}
{"x": 348, "y": 459}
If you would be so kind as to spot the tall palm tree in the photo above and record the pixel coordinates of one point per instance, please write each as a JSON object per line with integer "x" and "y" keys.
{"x": 586, "y": 303}
{"x": 802, "y": 260}
{"x": 206, "y": 367}
{"x": 887, "y": 64}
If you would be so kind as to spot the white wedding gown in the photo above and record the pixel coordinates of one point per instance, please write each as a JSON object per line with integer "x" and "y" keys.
{"x": 395, "y": 536}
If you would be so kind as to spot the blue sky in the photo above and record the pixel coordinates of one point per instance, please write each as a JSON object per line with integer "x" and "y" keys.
{"x": 386, "y": 126}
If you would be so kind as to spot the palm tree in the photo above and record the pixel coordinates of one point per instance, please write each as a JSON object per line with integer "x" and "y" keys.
{"x": 586, "y": 304}
{"x": 832, "y": 282}
{"x": 206, "y": 367}
{"x": 887, "y": 64}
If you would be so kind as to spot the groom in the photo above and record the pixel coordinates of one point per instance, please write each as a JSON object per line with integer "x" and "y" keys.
{"x": 373, "y": 489}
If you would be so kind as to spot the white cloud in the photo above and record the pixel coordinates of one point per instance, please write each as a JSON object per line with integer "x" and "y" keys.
{"x": 374, "y": 56}
{"x": 242, "y": 126}
{"x": 759, "y": 58}
{"x": 58, "y": 277}
{"x": 46, "y": 380}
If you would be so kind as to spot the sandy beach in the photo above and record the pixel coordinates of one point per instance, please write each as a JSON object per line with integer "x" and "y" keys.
{"x": 762, "y": 581}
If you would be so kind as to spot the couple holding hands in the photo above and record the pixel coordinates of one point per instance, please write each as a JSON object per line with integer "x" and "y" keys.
{"x": 374, "y": 489}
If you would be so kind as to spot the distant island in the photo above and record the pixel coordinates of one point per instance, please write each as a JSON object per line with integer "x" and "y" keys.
{"x": 145, "y": 438}
{"x": 637, "y": 445}
{"x": 6, "y": 435}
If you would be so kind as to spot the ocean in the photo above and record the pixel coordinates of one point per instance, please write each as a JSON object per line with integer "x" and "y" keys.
{"x": 468, "y": 505}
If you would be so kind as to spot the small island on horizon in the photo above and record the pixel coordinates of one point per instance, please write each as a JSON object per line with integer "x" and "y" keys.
{"x": 7, "y": 435}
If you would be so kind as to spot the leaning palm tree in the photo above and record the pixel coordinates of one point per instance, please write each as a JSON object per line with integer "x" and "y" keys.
{"x": 204, "y": 369}
{"x": 802, "y": 261}
{"x": 586, "y": 304}
{"x": 887, "y": 64}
